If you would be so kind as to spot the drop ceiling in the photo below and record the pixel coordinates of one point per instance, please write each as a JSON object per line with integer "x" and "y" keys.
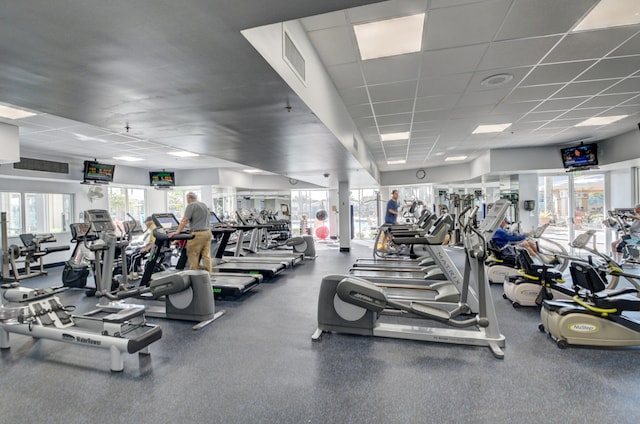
{"x": 182, "y": 77}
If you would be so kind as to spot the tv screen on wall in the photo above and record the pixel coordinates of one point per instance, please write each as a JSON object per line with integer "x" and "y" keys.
{"x": 582, "y": 156}
{"x": 162, "y": 178}
{"x": 98, "y": 172}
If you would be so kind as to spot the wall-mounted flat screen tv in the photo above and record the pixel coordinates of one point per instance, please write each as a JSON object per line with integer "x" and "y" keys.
{"x": 582, "y": 156}
{"x": 98, "y": 172}
{"x": 162, "y": 178}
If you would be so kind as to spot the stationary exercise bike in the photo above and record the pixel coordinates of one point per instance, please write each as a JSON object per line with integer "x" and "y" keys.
{"x": 595, "y": 316}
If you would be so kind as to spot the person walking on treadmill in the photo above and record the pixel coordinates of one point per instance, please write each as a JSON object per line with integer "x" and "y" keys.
{"x": 196, "y": 215}
{"x": 391, "y": 216}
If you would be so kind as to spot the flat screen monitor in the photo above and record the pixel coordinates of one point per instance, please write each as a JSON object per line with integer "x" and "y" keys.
{"x": 213, "y": 219}
{"x": 165, "y": 220}
{"x": 162, "y": 178}
{"x": 98, "y": 172}
{"x": 582, "y": 156}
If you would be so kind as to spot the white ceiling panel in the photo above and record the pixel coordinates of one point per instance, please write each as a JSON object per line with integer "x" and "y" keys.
{"x": 515, "y": 107}
{"x": 386, "y": 10}
{"x": 629, "y": 85}
{"x": 431, "y": 115}
{"x": 487, "y": 97}
{"x": 354, "y": 96}
{"x": 588, "y": 88}
{"x": 555, "y": 73}
{"x": 514, "y": 53}
{"x": 448, "y": 84}
{"x": 360, "y": 111}
{"x": 436, "y": 102}
{"x": 517, "y": 73}
{"x": 452, "y": 61}
{"x": 633, "y": 101}
{"x": 589, "y": 44}
{"x": 471, "y": 112}
{"x": 541, "y": 116}
{"x": 612, "y": 68}
{"x": 463, "y": 25}
{"x": 346, "y": 75}
{"x": 608, "y": 100}
{"x": 389, "y": 108}
{"x": 582, "y": 113}
{"x": 326, "y": 20}
{"x": 532, "y": 18}
{"x": 395, "y": 128}
{"x": 394, "y": 91}
{"x": 631, "y": 47}
{"x": 331, "y": 46}
{"x": 561, "y": 105}
{"x": 391, "y": 69}
{"x": 398, "y": 119}
{"x": 537, "y": 92}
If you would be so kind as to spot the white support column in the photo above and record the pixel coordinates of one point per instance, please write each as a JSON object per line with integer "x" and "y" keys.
{"x": 344, "y": 216}
{"x": 334, "y": 205}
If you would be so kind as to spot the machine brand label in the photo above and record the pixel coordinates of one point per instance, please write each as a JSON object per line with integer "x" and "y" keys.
{"x": 583, "y": 328}
{"x": 529, "y": 293}
{"x": 89, "y": 341}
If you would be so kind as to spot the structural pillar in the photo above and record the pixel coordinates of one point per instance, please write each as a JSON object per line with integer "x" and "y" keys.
{"x": 344, "y": 220}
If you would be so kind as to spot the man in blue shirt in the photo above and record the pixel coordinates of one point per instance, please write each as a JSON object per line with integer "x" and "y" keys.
{"x": 503, "y": 237}
{"x": 391, "y": 215}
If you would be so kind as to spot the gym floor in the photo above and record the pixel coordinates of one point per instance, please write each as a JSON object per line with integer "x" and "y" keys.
{"x": 258, "y": 364}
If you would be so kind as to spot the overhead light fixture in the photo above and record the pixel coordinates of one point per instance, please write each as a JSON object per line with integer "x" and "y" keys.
{"x": 13, "y": 113}
{"x": 251, "y": 171}
{"x": 183, "y": 154}
{"x": 127, "y": 158}
{"x": 597, "y": 121}
{"x": 454, "y": 158}
{"x": 390, "y": 37}
{"x": 496, "y": 128}
{"x": 610, "y": 13}
{"x": 394, "y": 136}
{"x": 396, "y": 162}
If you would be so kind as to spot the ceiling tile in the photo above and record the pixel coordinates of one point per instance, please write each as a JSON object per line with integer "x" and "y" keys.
{"x": 474, "y": 23}
{"x": 556, "y": 73}
{"x": 431, "y": 115}
{"x": 588, "y": 44}
{"x": 633, "y": 101}
{"x": 390, "y": 108}
{"x": 629, "y": 85}
{"x": 354, "y": 96}
{"x": 517, "y": 107}
{"x": 385, "y": 10}
{"x": 394, "y": 91}
{"x": 542, "y": 17}
{"x": 360, "y": 111}
{"x": 487, "y": 97}
{"x": 631, "y": 47}
{"x": 447, "y": 84}
{"x": 612, "y": 68}
{"x": 346, "y": 75}
{"x": 334, "y": 45}
{"x": 582, "y": 113}
{"x": 325, "y": 20}
{"x": 514, "y": 53}
{"x": 560, "y": 104}
{"x": 395, "y": 128}
{"x": 452, "y": 61}
{"x": 436, "y": 102}
{"x": 540, "y": 116}
{"x": 399, "y": 119}
{"x": 536, "y": 92}
{"x": 584, "y": 88}
{"x": 470, "y": 111}
{"x": 391, "y": 69}
{"x": 608, "y": 100}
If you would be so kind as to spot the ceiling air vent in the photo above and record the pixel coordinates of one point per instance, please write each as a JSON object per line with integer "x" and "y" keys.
{"x": 29, "y": 164}
{"x": 294, "y": 58}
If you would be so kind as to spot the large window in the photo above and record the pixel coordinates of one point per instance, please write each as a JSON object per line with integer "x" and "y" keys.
{"x": 365, "y": 213}
{"x": 37, "y": 212}
{"x": 307, "y": 203}
{"x": 11, "y": 203}
{"x": 224, "y": 201}
{"x": 177, "y": 200}
{"x": 123, "y": 201}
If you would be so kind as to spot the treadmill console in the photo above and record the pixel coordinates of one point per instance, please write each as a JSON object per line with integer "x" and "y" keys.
{"x": 99, "y": 219}
{"x": 82, "y": 231}
{"x": 165, "y": 220}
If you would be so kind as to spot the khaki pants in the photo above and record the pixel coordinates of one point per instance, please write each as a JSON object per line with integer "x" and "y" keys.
{"x": 200, "y": 247}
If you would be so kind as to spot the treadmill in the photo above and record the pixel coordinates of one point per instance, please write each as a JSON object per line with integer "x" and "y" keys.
{"x": 251, "y": 251}
{"x": 225, "y": 285}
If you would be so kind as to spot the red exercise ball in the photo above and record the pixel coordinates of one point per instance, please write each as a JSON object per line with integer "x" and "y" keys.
{"x": 322, "y": 232}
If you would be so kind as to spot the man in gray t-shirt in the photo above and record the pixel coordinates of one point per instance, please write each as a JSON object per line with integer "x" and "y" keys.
{"x": 196, "y": 215}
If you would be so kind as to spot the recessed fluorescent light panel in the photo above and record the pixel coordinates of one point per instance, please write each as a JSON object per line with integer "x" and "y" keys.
{"x": 485, "y": 129}
{"x": 252, "y": 171}
{"x": 127, "y": 158}
{"x": 597, "y": 121}
{"x": 183, "y": 154}
{"x": 396, "y": 162}
{"x": 611, "y": 13}
{"x": 390, "y": 37}
{"x": 13, "y": 113}
{"x": 394, "y": 136}
{"x": 454, "y": 158}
